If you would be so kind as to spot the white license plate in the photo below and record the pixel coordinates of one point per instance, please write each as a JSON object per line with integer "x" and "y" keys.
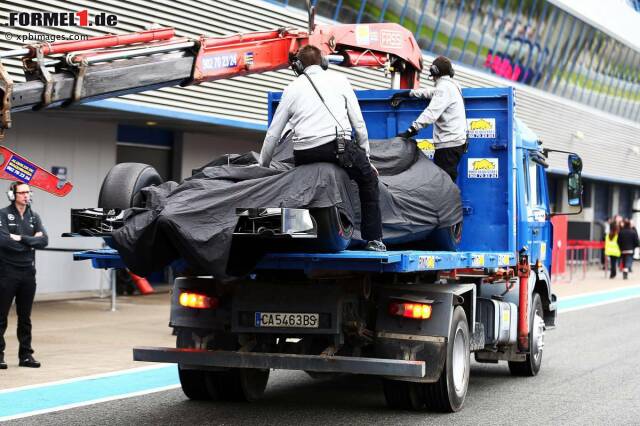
{"x": 286, "y": 320}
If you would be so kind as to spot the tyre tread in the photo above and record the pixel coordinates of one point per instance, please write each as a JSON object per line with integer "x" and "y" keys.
{"x": 123, "y": 182}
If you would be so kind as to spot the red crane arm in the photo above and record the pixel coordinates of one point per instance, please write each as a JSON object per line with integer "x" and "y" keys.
{"x": 113, "y": 65}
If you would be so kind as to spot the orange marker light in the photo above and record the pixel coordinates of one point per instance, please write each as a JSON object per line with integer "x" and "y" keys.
{"x": 411, "y": 310}
{"x": 197, "y": 301}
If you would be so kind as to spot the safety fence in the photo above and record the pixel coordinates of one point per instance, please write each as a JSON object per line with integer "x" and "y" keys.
{"x": 529, "y": 41}
{"x": 572, "y": 259}
{"x": 582, "y": 253}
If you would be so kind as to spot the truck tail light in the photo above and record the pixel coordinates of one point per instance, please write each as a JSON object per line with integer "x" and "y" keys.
{"x": 197, "y": 301}
{"x": 410, "y": 310}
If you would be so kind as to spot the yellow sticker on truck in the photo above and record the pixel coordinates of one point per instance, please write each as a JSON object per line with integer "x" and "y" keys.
{"x": 426, "y": 262}
{"x": 482, "y": 168}
{"x": 482, "y": 128}
{"x": 477, "y": 260}
{"x": 426, "y": 146}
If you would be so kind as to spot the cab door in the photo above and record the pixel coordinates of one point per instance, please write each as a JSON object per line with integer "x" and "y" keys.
{"x": 537, "y": 210}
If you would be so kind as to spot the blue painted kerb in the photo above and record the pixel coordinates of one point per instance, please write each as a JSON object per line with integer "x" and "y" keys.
{"x": 57, "y": 395}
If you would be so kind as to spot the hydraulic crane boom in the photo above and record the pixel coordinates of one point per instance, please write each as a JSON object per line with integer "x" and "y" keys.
{"x": 59, "y": 74}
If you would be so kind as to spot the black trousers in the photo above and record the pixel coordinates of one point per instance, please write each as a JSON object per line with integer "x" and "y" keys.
{"x": 18, "y": 283}
{"x": 614, "y": 266}
{"x": 361, "y": 172}
{"x": 448, "y": 158}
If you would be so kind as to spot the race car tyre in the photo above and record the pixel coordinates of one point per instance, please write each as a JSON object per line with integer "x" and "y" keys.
{"x": 445, "y": 239}
{"x": 121, "y": 187}
{"x": 334, "y": 230}
{"x": 531, "y": 366}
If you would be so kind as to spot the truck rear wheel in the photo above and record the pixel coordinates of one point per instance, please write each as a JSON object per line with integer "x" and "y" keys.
{"x": 193, "y": 382}
{"x": 449, "y": 392}
{"x": 404, "y": 395}
{"x": 531, "y": 366}
{"x": 121, "y": 187}
{"x": 237, "y": 384}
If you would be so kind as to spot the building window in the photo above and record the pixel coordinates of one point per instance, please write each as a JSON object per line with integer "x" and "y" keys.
{"x": 586, "y": 193}
{"x": 146, "y": 144}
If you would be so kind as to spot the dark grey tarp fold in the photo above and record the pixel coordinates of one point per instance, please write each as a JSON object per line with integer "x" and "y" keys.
{"x": 195, "y": 219}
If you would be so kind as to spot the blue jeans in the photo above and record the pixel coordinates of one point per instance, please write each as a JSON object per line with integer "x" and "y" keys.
{"x": 627, "y": 261}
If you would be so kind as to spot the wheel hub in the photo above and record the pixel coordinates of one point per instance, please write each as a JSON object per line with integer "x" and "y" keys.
{"x": 458, "y": 364}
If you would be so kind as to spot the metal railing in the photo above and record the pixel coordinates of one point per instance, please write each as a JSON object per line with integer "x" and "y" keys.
{"x": 529, "y": 41}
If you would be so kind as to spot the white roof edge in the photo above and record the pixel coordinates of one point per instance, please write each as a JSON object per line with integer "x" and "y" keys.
{"x": 590, "y": 12}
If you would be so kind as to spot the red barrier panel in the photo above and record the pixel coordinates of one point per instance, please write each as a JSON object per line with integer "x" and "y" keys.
{"x": 559, "y": 251}
{"x": 587, "y": 243}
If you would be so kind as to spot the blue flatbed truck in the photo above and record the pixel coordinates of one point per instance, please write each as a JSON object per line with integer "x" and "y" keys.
{"x": 410, "y": 317}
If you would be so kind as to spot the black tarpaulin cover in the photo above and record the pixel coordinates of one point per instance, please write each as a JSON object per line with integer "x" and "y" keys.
{"x": 195, "y": 220}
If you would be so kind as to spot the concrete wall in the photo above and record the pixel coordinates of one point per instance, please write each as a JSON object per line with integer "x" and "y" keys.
{"x": 87, "y": 149}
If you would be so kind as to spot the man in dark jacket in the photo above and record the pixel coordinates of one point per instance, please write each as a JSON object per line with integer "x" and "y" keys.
{"x": 21, "y": 232}
{"x": 628, "y": 241}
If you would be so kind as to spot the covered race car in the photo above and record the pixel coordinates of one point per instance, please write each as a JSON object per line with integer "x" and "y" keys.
{"x": 231, "y": 211}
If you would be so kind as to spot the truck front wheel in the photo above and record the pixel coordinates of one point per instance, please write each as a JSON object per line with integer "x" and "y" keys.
{"x": 531, "y": 366}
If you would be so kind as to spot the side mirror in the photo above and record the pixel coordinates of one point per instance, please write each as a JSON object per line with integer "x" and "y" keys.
{"x": 575, "y": 164}
{"x": 574, "y": 187}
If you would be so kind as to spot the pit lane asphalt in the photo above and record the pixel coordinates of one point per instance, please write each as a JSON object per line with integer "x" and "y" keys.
{"x": 589, "y": 375}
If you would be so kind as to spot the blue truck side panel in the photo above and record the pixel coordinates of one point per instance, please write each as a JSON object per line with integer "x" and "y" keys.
{"x": 349, "y": 260}
{"x": 487, "y": 172}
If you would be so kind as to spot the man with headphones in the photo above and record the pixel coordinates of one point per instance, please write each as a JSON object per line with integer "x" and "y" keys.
{"x": 446, "y": 113}
{"x": 21, "y": 233}
{"x": 321, "y": 110}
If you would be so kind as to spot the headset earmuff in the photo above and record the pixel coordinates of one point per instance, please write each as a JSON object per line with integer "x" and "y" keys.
{"x": 298, "y": 67}
{"x": 434, "y": 71}
{"x": 324, "y": 63}
{"x": 296, "y": 64}
{"x": 11, "y": 193}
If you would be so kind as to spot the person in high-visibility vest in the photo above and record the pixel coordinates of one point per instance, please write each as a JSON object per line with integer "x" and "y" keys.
{"x": 611, "y": 248}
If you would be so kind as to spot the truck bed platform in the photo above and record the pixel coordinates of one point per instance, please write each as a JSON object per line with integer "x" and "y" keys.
{"x": 351, "y": 260}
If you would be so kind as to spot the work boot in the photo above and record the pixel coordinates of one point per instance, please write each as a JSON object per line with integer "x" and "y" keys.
{"x": 29, "y": 361}
{"x": 625, "y": 275}
{"x": 3, "y": 365}
{"x": 375, "y": 245}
